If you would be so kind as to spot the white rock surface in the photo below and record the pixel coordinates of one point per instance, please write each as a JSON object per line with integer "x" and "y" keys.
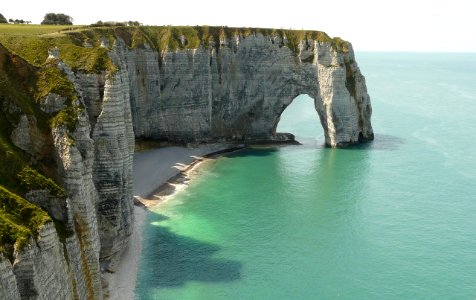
{"x": 237, "y": 92}
{"x": 40, "y": 269}
{"x": 8, "y": 281}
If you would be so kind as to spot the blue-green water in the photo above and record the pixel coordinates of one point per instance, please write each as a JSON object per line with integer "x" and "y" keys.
{"x": 394, "y": 219}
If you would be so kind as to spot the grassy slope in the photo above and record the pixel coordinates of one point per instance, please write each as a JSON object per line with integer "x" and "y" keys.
{"x": 21, "y": 85}
{"x": 19, "y": 220}
{"x": 33, "y": 41}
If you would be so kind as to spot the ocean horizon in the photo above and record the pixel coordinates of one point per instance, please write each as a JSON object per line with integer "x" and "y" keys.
{"x": 389, "y": 219}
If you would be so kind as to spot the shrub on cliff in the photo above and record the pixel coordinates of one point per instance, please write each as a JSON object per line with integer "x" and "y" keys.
{"x": 57, "y": 19}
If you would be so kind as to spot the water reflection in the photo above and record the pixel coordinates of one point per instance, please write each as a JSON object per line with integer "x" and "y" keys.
{"x": 335, "y": 182}
{"x": 384, "y": 142}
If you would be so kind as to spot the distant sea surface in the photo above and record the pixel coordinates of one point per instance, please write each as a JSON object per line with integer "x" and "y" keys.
{"x": 391, "y": 219}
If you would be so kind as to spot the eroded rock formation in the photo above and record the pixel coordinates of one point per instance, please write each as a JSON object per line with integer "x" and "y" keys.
{"x": 233, "y": 89}
{"x": 238, "y": 91}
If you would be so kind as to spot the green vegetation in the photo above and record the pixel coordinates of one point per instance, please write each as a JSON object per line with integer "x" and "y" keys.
{"x": 57, "y": 19}
{"x": 17, "y": 84}
{"x": 31, "y": 48}
{"x": 112, "y": 23}
{"x": 19, "y": 220}
{"x": 294, "y": 38}
{"x": 160, "y": 37}
{"x": 34, "y": 49}
{"x": 52, "y": 80}
{"x": 19, "y": 21}
{"x": 67, "y": 117}
{"x": 80, "y": 46}
{"x": 13, "y": 161}
{"x": 32, "y": 43}
{"x": 17, "y": 176}
{"x": 3, "y": 19}
{"x": 172, "y": 38}
{"x": 89, "y": 60}
{"x": 21, "y": 85}
{"x": 32, "y": 180}
{"x": 25, "y": 30}
{"x": 340, "y": 45}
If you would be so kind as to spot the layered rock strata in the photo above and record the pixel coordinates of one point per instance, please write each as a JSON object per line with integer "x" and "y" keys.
{"x": 237, "y": 91}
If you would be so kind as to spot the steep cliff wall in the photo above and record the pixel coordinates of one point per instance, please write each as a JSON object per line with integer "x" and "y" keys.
{"x": 107, "y": 103}
{"x": 237, "y": 89}
{"x": 89, "y": 151}
{"x": 71, "y": 113}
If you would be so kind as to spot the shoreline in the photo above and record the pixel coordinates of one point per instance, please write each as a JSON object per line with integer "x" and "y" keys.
{"x": 173, "y": 167}
{"x": 179, "y": 181}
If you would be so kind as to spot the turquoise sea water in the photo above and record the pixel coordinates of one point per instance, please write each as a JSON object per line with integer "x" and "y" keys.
{"x": 393, "y": 219}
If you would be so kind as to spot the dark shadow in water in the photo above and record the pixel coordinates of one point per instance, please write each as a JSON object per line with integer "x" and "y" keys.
{"x": 381, "y": 142}
{"x": 255, "y": 151}
{"x": 172, "y": 260}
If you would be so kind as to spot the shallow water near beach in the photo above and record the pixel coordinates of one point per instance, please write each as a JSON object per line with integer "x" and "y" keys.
{"x": 391, "y": 219}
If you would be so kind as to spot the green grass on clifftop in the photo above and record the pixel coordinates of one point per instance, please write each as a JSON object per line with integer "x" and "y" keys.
{"x": 80, "y": 45}
{"x": 31, "y": 29}
{"x": 32, "y": 43}
{"x": 186, "y": 37}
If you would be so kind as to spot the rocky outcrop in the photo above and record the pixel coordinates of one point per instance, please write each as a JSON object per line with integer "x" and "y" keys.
{"x": 232, "y": 89}
{"x": 40, "y": 270}
{"x": 108, "y": 107}
{"x": 93, "y": 157}
{"x": 26, "y": 135}
{"x": 75, "y": 157}
{"x": 8, "y": 281}
{"x": 344, "y": 108}
{"x": 237, "y": 90}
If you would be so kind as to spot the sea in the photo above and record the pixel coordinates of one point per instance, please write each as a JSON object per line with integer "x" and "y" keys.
{"x": 391, "y": 219}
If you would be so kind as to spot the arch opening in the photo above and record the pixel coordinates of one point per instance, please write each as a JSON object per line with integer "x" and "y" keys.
{"x": 301, "y": 119}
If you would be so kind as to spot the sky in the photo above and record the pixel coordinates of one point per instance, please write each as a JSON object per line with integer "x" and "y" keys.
{"x": 370, "y": 25}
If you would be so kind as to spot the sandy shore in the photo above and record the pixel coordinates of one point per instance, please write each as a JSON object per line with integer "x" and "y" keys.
{"x": 155, "y": 173}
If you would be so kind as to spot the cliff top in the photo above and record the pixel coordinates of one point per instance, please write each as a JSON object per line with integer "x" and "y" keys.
{"x": 85, "y": 47}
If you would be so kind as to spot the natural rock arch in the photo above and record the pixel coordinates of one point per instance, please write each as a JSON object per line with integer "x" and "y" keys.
{"x": 289, "y": 125}
{"x": 236, "y": 92}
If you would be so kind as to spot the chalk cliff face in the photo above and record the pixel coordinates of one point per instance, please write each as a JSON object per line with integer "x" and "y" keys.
{"x": 237, "y": 91}
{"x": 107, "y": 103}
{"x": 234, "y": 89}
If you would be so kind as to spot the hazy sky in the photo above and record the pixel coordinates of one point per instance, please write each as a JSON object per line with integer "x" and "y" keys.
{"x": 404, "y": 25}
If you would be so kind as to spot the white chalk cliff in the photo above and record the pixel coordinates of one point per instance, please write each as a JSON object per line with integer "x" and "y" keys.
{"x": 237, "y": 91}
{"x": 232, "y": 90}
